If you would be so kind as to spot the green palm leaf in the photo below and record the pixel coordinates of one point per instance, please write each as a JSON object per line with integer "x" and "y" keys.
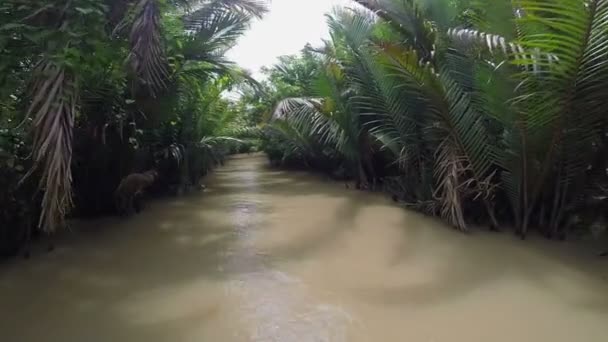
{"x": 560, "y": 51}
{"x": 464, "y": 157}
{"x": 407, "y": 17}
{"x": 569, "y": 95}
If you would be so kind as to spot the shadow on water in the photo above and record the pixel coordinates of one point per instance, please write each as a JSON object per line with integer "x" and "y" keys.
{"x": 91, "y": 282}
{"x": 467, "y": 263}
{"x": 346, "y": 214}
{"x": 483, "y": 261}
{"x": 162, "y": 276}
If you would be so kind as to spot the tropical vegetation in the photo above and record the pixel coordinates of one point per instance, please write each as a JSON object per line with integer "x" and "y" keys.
{"x": 483, "y": 113}
{"x": 91, "y": 91}
{"x": 480, "y": 112}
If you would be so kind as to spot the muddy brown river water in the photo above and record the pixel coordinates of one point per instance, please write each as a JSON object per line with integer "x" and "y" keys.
{"x": 265, "y": 255}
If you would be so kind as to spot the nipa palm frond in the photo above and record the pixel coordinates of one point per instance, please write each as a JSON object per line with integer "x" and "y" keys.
{"x": 570, "y": 95}
{"x": 305, "y": 116}
{"x": 147, "y": 56}
{"x": 463, "y": 154}
{"x": 529, "y": 59}
{"x": 200, "y": 9}
{"x": 409, "y": 19}
{"x": 218, "y": 30}
{"x": 214, "y": 28}
{"x": 54, "y": 107}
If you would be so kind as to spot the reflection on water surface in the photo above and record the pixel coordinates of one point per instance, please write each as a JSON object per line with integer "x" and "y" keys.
{"x": 266, "y": 255}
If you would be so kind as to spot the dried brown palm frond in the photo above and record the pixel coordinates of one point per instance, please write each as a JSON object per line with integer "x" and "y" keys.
{"x": 54, "y": 106}
{"x": 147, "y": 57}
{"x": 450, "y": 170}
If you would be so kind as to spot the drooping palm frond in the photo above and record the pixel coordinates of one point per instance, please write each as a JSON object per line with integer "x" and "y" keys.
{"x": 256, "y": 8}
{"x": 302, "y": 112}
{"x": 147, "y": 57}
{"x": 204, "y": 71}
{"x": 427, "y": 119}
{"x": 492, "y": 41}
{"x": 299, "y": 125}
{"x": 214, "y": 28}
{"x": 353, "y": 33}
{"x": 54, "y": 106}
{"x": 296, "y": 141}
{"x": 396, "y": 119}
{"x": 560, "y": 51}
{"x": 246, "y": 132}
{"x": 568, "y": 105}
{"x": 286, "y": 106}
{"x": 463, "y": 154}
{"x": 201, "y": 9}
{"x": 530, "y": 60}
{"x": 174, "y": 152}
{"x": 212, "y": 141}
{"x": 407, "y": 17}
{"x": 352, "y": 28}
{"x": 214, "y": 34}
{"x": 315, "y": 121}
{"x": 450, "y": 168}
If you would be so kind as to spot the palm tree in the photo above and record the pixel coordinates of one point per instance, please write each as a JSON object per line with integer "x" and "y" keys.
{"x": 210, "y": 26}
{"x": 425, "y": 116}
{"x": 546, "y": 149}
{"x": 329, "y": 116}
{"x": 555, "y": 139}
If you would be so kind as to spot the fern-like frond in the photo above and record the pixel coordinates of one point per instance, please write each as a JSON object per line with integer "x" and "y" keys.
{"x": 407, "y": 17}
{"x": 564, "y": 105}
{"x": 54, "y": 107}
{"x": 147, "y": 56}
{"x": 464, "y": 157}
{"x": 200, "y": 9}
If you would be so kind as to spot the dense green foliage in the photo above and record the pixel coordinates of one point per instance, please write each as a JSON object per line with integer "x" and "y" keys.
{"x": 91, "y": 91}
{"x": 475, "y": 111}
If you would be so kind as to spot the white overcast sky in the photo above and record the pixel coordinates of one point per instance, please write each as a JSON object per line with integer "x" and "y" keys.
{"x": 285, "y": 30}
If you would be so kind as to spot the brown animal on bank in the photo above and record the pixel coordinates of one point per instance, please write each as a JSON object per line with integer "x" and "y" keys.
{"x": 132, "y": 187}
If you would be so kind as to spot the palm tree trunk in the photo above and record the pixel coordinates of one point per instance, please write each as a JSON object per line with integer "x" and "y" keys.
{"x": 490, "y": 209}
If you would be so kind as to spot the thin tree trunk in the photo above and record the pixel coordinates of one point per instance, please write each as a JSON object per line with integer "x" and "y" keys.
{"x": 490, "y": 210}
